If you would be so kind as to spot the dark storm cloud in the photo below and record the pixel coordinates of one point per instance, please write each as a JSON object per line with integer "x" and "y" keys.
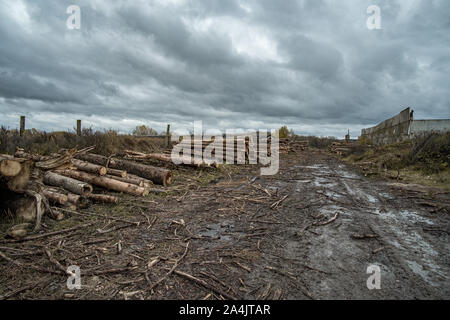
{"x": 310, "y": 64}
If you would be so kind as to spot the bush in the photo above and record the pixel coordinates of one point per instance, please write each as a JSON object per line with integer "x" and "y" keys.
{"x": 144, "y": 131}
{"x": 431, "y": 152}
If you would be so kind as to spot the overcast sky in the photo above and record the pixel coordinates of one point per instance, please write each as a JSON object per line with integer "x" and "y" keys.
{"x": 310, "y": 64}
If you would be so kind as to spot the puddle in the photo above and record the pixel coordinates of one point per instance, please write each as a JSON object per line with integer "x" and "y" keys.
{"x": 216, "y": 230}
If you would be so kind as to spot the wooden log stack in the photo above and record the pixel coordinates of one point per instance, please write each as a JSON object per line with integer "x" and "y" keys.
{"x": 288, "y": 145}
{"x": 340, "y": 148}
{"x": 235, "y": 150}
{"x": 29, "y": 182}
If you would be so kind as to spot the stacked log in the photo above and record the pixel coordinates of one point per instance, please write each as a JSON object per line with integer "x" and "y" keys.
{"x": 105, "y": 182}
{"x": 89, "y": 167}
{"x": 28, "y": 182}
{"x": 186, "y": 161}
{"x": 287, "y": 145}
{"x": 14, "y": 172}
{"x": 155, "y": 174}
{"x": 70, "y": 184}
{"x": 237, "y": 149}
{"x": 339, "y": 147}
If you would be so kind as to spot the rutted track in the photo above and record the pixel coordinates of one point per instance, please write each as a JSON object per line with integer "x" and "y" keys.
{"x": 411, "y": 247}
{"x": 250, "y": 237}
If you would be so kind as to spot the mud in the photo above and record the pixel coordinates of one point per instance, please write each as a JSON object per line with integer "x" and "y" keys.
{"x": 256, "y": 237}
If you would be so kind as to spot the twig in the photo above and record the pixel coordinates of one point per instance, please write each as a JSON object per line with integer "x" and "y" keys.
{"x": 204, "y": 284}
{"x": 171, "y": 270}
{"x": 328, "y": 221}
{"x": 363, "y": 236}
{"x": 100, "y": 215}
{"x": 13, "y": 293}
{"x": 56, "y": 262}
{"x": 19, "y": 264}
{"x": 44, "y": 235}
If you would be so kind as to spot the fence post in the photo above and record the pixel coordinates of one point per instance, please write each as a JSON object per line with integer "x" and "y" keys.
{"x": 22, "y": 125}
{"x": 167, "y": 139}
{"x": 78, "y": 127}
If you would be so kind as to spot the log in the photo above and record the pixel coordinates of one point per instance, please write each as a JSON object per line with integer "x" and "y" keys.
{"x": 146, "y": 182}
{"x": 103, "y": 198}
{"x": 9, "y": 167}
{"x": 77, "y": 200}
{"x": 104, "y": 182}
{"x": 14, "y": 172}
{"x": 70, "y": 184}
{"x": 155, "y": 174}
{"x": 137, "y": 182}
{"x": 89, "y": 167}
{"x": 162, "y": 157}
{"x": 74, "y": 198}
{"x": 116, "y": 172}
{"x": 55, "y": 161}
{"x": 22, "y": 206}
{"x": 55, "y": 197}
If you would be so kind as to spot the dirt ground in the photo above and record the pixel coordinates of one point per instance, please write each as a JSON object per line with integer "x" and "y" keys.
{"x": 309, "y": 232}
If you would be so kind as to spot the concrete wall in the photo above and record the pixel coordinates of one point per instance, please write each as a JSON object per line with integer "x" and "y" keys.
{"x": 402, "y": 127}
{"x": 419, "y": 127}
{"x": 392, "y": 130}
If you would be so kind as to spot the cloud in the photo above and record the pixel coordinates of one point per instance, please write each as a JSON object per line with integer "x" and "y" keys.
{"x": 310, "y": 64}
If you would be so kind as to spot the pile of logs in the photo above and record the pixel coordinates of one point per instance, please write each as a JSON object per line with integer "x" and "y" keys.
{"x": 288, "y": 145}
{"x": 235, "y": 148}
{"x": 29, "y": 182}
{"x": 340, "y": 147}
{"x": 167, "y": 158}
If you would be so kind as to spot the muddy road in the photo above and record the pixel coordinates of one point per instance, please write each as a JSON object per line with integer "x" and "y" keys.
{"x": 310, "y": 232}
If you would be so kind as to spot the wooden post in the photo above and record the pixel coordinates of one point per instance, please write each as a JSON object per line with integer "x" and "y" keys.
{"x": 78, "y": 127}
{"x": 22, "y": 125}
{"x": 167, "y": 140}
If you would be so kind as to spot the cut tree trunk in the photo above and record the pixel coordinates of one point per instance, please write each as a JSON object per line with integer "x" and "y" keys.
{"x": 55, "y": 197}
{"x": 147, "y": 183}
{"x": 104, "y": 182}
{"x": 155, "y": 174}
{"x": 70, "y": 184}
{"x": 116, "y": 172}
{"x": 138, "y": 182}
{"x": 164, "y": 158}
{"x": 14, "y": 173}
{"x": 89, "y": 167}
{"x": 103, "y": 198}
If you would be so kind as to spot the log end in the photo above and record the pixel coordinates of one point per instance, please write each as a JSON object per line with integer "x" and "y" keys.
{"x": 86, "y": 189}
{"x": 10, "y": 168}
{"x": 167, "y": 178}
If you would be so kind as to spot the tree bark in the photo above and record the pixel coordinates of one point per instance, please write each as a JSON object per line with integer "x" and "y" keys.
{"x": 115, "y": 172}
{"x": 138, "y": 182}
{"x": 103, "y": 198}
{"x": 155, "y": 174}
{"x": 55, "y": 197}
{"x": 104, "y": 182}
{"x": 89, "y": 167}
{"x": 70, "y": 184}
{"x": 146, "y": 183}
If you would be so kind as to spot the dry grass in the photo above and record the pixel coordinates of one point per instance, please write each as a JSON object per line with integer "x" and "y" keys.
{"x": 106, "y": 142}
{"x": 421, "y": 160}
